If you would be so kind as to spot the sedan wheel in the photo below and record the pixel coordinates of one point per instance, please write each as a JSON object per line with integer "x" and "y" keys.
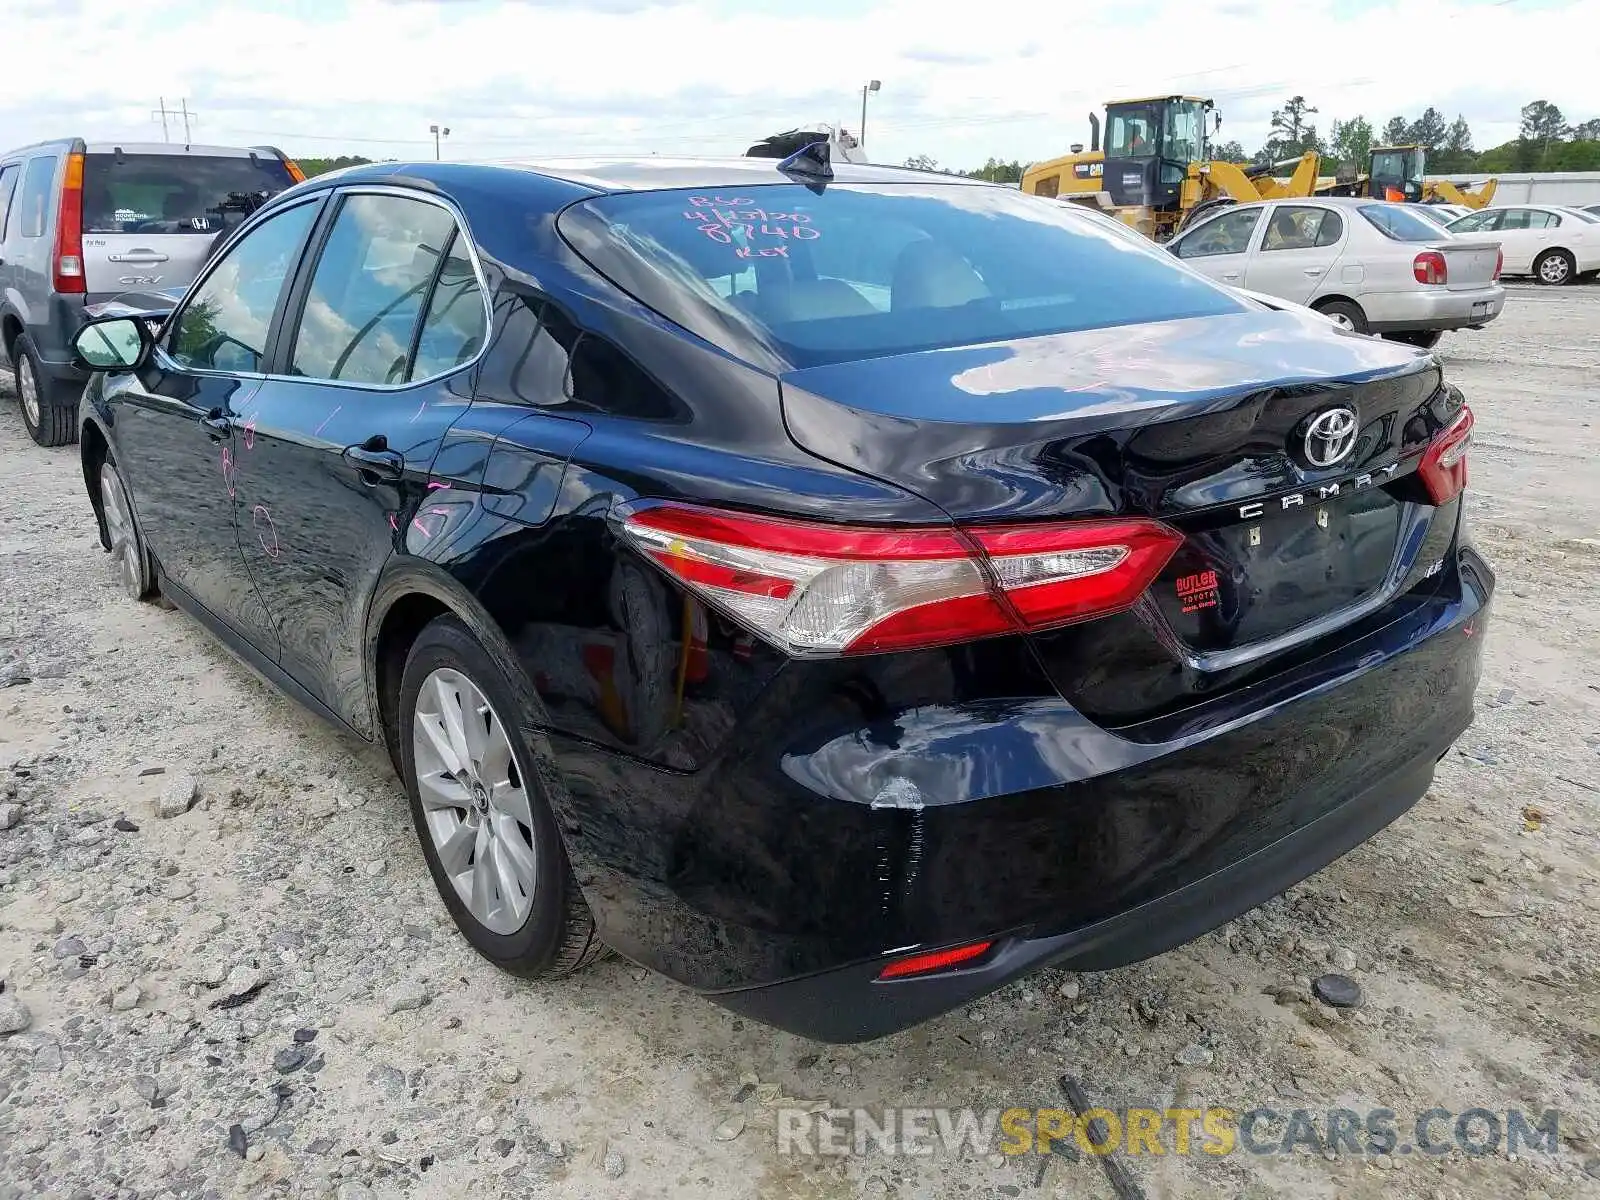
{"x": 1554, "y": 268}
{"x": 127, "y": 548}
{"x": 475, "y": 803}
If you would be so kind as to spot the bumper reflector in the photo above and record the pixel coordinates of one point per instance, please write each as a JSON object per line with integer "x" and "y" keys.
{"x": 935, "y": 960}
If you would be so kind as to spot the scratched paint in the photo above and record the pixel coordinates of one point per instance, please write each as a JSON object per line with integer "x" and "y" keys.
{"x": 422, "y": 408}
{"x": 318, "y": 430}
{"x": 266, "y": 531}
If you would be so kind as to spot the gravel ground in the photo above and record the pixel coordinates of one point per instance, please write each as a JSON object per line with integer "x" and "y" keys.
{"x": 260, "y": 995}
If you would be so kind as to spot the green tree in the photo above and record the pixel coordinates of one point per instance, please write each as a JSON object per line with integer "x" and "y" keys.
{"x": 1428, "y": 130}
{"x": 996, "y": 171}
{"x": 321, "y": 166}
{"x": 1587, "y": 131}
{"x": 1291, "y": 132}
{"x": 1456, "y": 154}
{"x": 1350, "y": 142}
{"x": 1542, "y": 122}
{"x": 1230, "y": 152}
{"x": 1396, "y": 132}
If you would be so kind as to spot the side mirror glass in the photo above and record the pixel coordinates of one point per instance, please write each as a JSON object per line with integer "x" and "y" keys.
{"x": 118, "y": 344}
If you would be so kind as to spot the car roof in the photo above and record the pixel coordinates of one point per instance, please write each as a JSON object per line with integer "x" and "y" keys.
{"x": 173, "y": 148}
{"x": 654, "y": 173}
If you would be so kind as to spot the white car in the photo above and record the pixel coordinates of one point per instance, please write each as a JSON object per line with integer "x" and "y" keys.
{"x": 1442, "y": 214}
{"x": 1370, "y": 265}
{"x": 1555, "y": 245}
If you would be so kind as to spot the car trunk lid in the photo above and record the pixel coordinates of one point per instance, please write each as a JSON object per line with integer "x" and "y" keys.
{"x": 1210, "y": 425}
{"x": 1469, "y": 264}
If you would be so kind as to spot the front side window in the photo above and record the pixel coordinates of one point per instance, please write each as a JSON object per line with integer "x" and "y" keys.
{"x": 33, "y": 198}
{"x": 868, "y": 270}
{"x": 1185, "y": 133}
{"x": 224, "y": 325}
{"x": 369, "y": 288}
{"x": 1295, "y": 227}
{"x": 1477, "y": 223}
{"x": 1227, "y": 234}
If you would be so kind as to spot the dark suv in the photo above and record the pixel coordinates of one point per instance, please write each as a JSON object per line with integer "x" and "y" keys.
{"x": 841, "y": 589}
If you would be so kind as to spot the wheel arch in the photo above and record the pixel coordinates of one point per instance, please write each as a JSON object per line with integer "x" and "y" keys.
{"x": 93, "y": 450}
{"x": 411, "y": 593}
{"x": 1322, "y": 302}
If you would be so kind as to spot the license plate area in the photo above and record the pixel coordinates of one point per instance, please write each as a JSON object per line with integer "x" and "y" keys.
{"x": 1482, "y": 308}
{"x": 1252, "y": 580}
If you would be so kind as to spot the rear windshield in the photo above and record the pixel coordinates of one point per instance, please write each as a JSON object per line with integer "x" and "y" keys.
{"x": 863, "y": 271}
{"x": 1402, "y": 224}
{"x": 175, "y": 193}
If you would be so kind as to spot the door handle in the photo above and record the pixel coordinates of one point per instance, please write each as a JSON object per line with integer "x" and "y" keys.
{"x": 1314, "y": 271}
{"x": 217, "y": 426}
{"x": 137, "y": 257}
{"x": 375, "y": 460}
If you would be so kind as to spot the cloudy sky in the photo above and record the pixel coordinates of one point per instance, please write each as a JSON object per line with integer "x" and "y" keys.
{"x": 962, "y": 79}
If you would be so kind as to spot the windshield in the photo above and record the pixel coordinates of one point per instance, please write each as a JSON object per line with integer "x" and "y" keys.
{"x": 1398, "y": 164}
{"x": 864, "y": 271}
{"x": 1401, "y": 223}
{"x": 1132, "y": 130}
{"x": 175, "y": 193}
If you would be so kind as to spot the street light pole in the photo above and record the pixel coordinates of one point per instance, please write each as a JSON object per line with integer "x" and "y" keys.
{"x": 438, "y": 131}
{"x": 871, "y": 86}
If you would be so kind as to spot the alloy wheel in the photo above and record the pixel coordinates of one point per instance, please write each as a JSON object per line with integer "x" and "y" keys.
{"x": 124, "y": 537}
{"x": 28, "y": 386}
{"x": 1342, "y": 321}
{"x": 475, "y": 800}
{"x": 1553, "y": 269}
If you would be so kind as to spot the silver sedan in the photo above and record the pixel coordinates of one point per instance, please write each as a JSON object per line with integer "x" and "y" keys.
{"x": 1371, "y": 266}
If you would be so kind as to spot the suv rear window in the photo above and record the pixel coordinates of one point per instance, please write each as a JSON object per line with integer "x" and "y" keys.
{"x": 1400, "y": 224}
{"x": 867, "y": 270}
{"x": 175, "y": 193}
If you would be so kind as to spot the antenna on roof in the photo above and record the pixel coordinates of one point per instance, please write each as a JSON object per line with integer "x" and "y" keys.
{"x": 813, "y": 161}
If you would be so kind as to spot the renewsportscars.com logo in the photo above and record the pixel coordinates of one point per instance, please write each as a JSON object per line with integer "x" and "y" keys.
{"x": 1136, "y": 1131}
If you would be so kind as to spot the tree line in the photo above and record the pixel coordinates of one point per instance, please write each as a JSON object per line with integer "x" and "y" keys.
{"x": 1545, "y": 142}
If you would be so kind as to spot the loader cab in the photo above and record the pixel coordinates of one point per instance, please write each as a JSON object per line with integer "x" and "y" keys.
{"x": 1149, "y": 146}
{"x": 1396, "y": 173}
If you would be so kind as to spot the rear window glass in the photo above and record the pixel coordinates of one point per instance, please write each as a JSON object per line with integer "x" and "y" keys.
{"x": 864, "y": 271}
{"x": 1399, "y": 223}
{"x": 175, "y": 193}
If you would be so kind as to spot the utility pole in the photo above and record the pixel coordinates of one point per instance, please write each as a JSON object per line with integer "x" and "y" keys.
{"x": 181, "y": 111}
{"x": 870, "y": 86}
{"x": 438, "y": 131}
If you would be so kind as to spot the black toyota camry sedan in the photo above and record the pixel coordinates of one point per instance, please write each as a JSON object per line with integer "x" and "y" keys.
{"x": 841, "y": 589}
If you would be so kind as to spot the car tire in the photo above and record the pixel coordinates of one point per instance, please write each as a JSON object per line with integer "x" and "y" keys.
{"x": 49, "y": 422}
{"x": 497, "y": 856}
{"x": 1423, "y": 339}
{"x": 1555, "y": 268}
{"x": 128, "y": 550}
{"x": 1347, "y": 315}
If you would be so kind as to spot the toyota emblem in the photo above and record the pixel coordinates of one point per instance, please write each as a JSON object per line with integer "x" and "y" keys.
{"x": 1331, "y": 437}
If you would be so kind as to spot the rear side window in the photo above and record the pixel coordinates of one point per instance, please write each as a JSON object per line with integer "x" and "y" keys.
{"x": 455, "y": 324}
{"x": 8, "y": 185}
{"x": 868, "y": 270}
{"x": 369, "y": 289}
{"x": 1527, "y": 218}
{"x": 1298, "y": 227}
{"x": 1400, "y": 224}
{"x": 175, "y": 193}
{"x": 34, "y": 197}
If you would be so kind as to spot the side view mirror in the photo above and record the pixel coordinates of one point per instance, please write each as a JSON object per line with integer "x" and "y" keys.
{"x": 113, "y": 344}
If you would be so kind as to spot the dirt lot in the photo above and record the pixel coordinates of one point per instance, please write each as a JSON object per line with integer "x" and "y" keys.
{"x": 1473, "y": 926}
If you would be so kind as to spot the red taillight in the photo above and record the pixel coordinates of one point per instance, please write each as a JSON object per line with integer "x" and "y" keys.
{"x": 1499, "y": 262}
{"x": 1443, "y": 468}
{"x": 1429, "y": 267}
{"x": 68, "y": 268}
{"x": 816, "y": 590}
{"x": 937, "y": 960}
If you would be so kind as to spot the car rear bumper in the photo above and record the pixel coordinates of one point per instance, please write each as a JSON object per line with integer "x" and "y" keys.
{"x": 1433, "y": 308}
{"x": 781, "y": 884}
